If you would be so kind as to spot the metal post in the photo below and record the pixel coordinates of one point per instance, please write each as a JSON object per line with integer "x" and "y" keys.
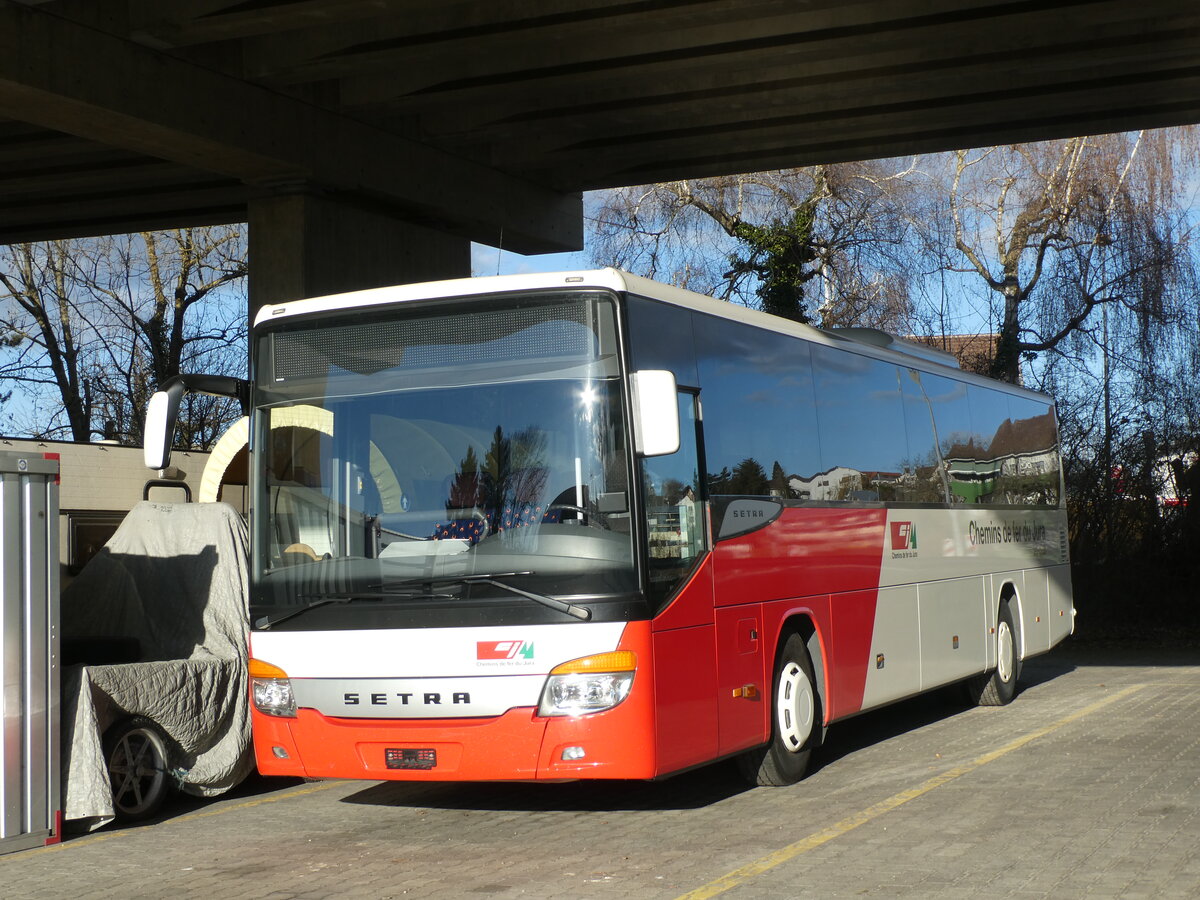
{"x": 30, "y": 791}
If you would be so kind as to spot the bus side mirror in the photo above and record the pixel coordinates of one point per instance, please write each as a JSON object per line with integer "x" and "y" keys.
{"x": 159, "y": 430}
{"x": 163, "y": 409}
{"x": 655, "y": 412}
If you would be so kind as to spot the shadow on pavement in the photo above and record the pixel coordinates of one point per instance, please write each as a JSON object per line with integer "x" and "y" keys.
{"x": 700, "y": 787}
{"x": 178, "y": 805}
{"x": 852, "y": 735}
{"x": 691, "y": 790}
{"x": 710, "y": 784}
{"x": 879, "y": 725}
{"x": 1143, "y": 649}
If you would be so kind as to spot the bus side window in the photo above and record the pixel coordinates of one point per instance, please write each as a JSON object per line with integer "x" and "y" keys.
{"x": 861, "y": 426}
{"x": 1031, "y": 465}
{"x": 956, "y": 442}
{"x": 760, "y": 436}
{"x": 674, "y": 519}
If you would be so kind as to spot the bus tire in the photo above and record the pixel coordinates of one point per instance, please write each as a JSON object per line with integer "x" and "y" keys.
{"x": 137, "y": 755}
{"x": 795, "y": 721}
{"x": 998, "y": 687}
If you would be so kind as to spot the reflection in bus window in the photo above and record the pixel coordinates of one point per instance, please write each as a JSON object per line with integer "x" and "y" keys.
{"x": 674, "y": 522}
{"x": 924, "y": 479}
{"x": 1025, "y": 449}
{"x": 864, "y": 447}
{"x": 440, "y": 444}
{"x": 761, "y": 431}
{"x": 660, "y": 337}
{"x": 955, "y": 439}
{"x": 1008, "y": 457}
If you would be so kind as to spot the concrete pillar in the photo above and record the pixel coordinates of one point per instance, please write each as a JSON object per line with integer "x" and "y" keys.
{"x": 303, "y": 244}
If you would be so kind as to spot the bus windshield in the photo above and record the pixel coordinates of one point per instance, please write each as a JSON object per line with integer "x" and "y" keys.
{"x": 441, "y": 464}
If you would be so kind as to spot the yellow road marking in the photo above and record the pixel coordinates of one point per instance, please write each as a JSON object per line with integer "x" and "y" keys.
{"x": 55, "y": 848}
{"x": 220, "y": 811}
{"x": 771, "y": 860}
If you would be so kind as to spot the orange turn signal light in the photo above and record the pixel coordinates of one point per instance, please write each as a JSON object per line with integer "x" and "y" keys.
{"x": 614, "y": 661}
{"x": 260, "y": 669}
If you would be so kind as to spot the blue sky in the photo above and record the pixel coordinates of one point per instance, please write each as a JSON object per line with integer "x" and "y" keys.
{"x": 487, "y": 260}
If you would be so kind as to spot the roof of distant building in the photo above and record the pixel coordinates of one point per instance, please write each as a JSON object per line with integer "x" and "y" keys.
{"x": 974, "y": 352}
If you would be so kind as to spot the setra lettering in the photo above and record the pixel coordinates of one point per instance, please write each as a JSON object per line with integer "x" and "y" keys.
{"x": 404, "y": 698}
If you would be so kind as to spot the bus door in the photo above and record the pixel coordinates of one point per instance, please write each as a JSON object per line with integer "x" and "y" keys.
{"x": 680, "y": 587}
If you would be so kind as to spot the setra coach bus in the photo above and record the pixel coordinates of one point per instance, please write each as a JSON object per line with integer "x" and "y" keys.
{"x": 584, "y": 525}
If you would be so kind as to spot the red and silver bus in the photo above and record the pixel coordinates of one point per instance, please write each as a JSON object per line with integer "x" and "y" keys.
{"x": 585, "y": 525}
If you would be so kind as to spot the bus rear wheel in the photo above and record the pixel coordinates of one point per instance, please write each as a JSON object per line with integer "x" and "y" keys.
{"x": 794, "y": 721}
{"x": 998, "y": 687}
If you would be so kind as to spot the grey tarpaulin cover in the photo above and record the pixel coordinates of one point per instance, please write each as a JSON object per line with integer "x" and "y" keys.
{"x": 174, "y": 578}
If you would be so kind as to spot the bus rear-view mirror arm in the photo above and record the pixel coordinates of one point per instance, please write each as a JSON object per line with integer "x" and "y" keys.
{"x": 655, "y": 412}
{"x": 163, "y": 410}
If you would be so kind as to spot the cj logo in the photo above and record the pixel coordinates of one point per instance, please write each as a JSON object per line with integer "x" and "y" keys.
{"x": 904, "y": 536}
{"x": 504, "y": 650}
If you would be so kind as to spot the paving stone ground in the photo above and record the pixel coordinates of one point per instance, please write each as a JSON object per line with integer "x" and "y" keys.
{"x": 1087, "y": 785}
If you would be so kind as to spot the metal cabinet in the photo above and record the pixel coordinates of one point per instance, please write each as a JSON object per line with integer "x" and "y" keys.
{"x": 30, "y": 793}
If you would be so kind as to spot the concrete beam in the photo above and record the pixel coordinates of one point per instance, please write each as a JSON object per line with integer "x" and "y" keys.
{"x": 305, "y": 244}
{"x": 61, "y": 75}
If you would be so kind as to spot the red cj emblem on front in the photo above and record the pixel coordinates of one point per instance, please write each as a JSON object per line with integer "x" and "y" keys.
{"x": 904, "y": 536}
{"x": 504, "y": 650}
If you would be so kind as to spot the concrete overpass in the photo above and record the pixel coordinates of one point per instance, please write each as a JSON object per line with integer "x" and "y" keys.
{"x": 368, "y": 141}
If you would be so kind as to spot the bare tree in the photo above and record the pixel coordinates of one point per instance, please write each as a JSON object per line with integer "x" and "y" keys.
{"x": 45, "y": 330}
{"x": 823, "y": 243}
{"x": 1072, "y": 264}
{"x": 97, "y": 324}
{"x": 1055, "y": 231}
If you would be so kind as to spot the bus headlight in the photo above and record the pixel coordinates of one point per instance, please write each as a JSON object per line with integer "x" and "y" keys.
{"x": 271, "y": 690}
{"x": 588, "y": 685}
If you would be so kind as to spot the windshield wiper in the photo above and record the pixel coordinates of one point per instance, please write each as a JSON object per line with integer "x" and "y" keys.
{"x": 579, "y": 612}
{"x": 379, "y": 592}
{"x": 493, "y": 579}
{"x": 266, "y": 623}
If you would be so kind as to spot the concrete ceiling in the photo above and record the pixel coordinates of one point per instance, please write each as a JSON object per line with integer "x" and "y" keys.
{"x": 117, "y": 115}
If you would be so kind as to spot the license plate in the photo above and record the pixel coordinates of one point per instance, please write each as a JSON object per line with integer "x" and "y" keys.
{"x": 406, "y": 758}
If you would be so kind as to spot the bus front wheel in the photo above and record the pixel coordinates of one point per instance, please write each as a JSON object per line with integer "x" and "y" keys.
{"x": 998, "y": 687}
{"x": 794, "y": 721}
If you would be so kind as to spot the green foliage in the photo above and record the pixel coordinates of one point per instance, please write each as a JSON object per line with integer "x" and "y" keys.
{"x": 747, "y": 478}
{"x": 779, "y": 256}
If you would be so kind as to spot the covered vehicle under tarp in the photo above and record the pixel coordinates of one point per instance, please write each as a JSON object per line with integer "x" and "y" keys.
{"x": 156, "y": 625}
